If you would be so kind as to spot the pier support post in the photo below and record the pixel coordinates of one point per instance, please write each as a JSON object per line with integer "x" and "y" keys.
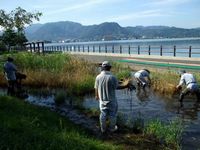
{"x": 113, "y": 49}
{"x": 138, "y": 49}
{"x": 129, "y": 49}
{"x": 161, "y": 50}
{"x": 149, "y": 50}
{"x": 190, "y": 51}
{"x": 174, "y": 51}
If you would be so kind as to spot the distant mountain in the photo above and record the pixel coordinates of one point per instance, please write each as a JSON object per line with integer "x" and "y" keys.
{"x": 33, "y": 28}
{"x": 71, "y": 31}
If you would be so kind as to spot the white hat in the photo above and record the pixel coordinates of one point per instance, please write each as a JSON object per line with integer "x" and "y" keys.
{"x": 106, "y": 64}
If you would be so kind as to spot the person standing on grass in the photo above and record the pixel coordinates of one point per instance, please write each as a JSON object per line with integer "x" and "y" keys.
{"x": 191, "y": 85}
{"x": 105, "y": 85}
{"x": 10, "y": 73}
{"x": 143, "y": 78}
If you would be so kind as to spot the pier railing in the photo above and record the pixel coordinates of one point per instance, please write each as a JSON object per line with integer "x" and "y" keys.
{"x": 174, "y": 51}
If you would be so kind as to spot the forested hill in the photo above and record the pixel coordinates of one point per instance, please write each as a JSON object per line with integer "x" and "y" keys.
{"x": 71, "y": 31}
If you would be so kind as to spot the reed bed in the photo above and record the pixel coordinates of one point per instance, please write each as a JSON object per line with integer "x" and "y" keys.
{"x": 165, "y": 82}
{"x": 54, "y": 71}
{"x": 78, "y": 76}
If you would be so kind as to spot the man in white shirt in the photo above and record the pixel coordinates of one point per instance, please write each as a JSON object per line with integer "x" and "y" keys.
{"x": 191, "y": 85}
{"x": 142, "y": 77}
{"x": 105, "y": 85}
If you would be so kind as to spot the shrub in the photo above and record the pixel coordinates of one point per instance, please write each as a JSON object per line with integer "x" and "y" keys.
{"x": 2, "y": 46}
{"x": 60, "y": 97}
{"x": 170, "y": 133}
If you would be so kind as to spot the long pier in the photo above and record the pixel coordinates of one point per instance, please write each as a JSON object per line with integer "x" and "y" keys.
{"x": 117, "y": 48}
{"x": 141, "y": 55}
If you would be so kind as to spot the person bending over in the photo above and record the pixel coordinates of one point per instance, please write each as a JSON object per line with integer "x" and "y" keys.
{"x": 191, "y": 85}
{"x": 143, "y": 78}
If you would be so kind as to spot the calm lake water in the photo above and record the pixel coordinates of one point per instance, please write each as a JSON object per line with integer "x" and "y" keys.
{"x": 182, "y": 46}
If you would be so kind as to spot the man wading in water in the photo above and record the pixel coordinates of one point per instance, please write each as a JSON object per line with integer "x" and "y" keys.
{"x": 105, "y": 85}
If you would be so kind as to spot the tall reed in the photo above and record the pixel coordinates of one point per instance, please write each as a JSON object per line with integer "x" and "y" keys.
{"x": 54, "y": 71}
{"x": 171, "y": 133}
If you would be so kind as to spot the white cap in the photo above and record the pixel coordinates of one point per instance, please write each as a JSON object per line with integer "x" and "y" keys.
{"x": 106, "y": 64}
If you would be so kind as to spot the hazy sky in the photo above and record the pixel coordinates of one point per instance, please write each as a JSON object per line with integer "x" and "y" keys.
{"x": 179, "y": 13}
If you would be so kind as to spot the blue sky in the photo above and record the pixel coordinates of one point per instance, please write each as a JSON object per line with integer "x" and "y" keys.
{"x": 178, "y": 13}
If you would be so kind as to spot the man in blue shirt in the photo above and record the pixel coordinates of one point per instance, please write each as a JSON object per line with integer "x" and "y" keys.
{"x": 10, "y": 73}
{"x": 191, "y": 85}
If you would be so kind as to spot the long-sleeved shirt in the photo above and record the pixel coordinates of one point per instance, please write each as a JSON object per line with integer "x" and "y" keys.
{"x": 10, "y": 69}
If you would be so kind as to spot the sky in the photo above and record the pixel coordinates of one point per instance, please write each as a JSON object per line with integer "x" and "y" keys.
{"x": 178, "y": 13}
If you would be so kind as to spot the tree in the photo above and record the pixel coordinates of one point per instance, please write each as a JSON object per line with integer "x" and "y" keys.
{"x": 9, "y": 38}
{"x": 6, "y": 20}
{"x": 16, "y": 20}
{"x": 21, "y": 18}
{"x": 20, "y": 39}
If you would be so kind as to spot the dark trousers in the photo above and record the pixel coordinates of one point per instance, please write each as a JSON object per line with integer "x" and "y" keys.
{"x": 11, "y": 87}
{"x": 187, "y": 91}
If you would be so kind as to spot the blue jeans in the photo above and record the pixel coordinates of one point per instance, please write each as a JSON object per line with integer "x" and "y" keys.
{"x": 108, "y": 111}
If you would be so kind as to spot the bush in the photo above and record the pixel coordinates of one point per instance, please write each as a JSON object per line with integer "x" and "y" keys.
{"x": 170, "y": 133}
{"x": 60, "y": 97}
{"x": 2, "y": 46}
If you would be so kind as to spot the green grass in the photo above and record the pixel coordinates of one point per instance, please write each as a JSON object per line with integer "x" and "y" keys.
{"x": 27, "y": 127}
{"x": 50, "y": 62}
{"x": 170, "y": 133}
{"x": 60, "y": 97}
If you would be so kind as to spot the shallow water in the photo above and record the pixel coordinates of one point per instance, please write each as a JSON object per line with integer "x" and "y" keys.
{"x": 146, "y": 105}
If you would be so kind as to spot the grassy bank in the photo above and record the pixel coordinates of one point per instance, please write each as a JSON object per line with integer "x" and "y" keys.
{"x": 28, "y": 127}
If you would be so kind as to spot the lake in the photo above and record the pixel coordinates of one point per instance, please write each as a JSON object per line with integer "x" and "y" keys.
{"x": 142, "y": 46}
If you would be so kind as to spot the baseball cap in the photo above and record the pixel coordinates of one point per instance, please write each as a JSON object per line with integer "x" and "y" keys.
{"x": 106, "y": 64}
{"x": 182, "y": 72}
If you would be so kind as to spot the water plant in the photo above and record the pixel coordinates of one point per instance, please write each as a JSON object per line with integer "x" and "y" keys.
{"x": 60, "y": 97}
{"x": 170, "y": 133}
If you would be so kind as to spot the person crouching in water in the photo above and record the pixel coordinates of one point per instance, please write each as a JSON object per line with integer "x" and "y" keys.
{"x": 143, "y": 78}
{"x": 191, "y": 85}
{"x": 10, "y": 73}
{"x": 105, "y": 85}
